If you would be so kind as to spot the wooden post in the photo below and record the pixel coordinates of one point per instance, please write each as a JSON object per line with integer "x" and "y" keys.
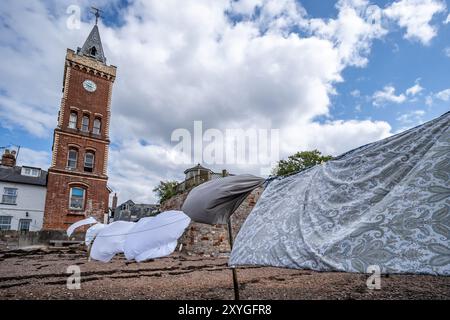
{"x": 233, "y": 270}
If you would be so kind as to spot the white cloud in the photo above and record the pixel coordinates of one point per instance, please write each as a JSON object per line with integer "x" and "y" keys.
{"x": 180, "y": 61}
{"x": 447, "y": 51}
{"x": 416, "y": 16}
{"x": 333, "y": 137}
{"x": 415, "y": 89}
{"x": 447, "y": 20}
{"x": 355, "y": 93}
{"x": 387, "y": 95}
{"x": 33, "y": 158}
{"x": 352, "y": 32}
{"x": 444, "y": 95}
{"x": 412, "y": 117}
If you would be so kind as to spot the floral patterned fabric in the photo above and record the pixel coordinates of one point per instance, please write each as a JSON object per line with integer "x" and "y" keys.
{"x": 385, "y": 203}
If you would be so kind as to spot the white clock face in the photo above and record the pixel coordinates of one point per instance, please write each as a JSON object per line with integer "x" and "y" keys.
{"x": 89, "y": 85}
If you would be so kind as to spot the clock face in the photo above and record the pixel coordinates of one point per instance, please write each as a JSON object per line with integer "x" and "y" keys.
{"x": 89, "y": 85}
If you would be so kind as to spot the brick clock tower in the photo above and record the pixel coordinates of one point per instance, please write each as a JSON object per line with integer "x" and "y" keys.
{"x": 77, "y": 178}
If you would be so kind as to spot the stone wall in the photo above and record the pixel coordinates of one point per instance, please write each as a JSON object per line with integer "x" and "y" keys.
{"x": 12, "y": 239}
{"x": 211, "y": 240}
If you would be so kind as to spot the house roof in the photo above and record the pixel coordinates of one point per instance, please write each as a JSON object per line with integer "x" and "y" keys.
{"x": 13, "y": 174}
{"x": 197, "y": 167}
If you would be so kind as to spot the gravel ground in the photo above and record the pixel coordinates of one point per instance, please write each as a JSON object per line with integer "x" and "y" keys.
{"x": 41, "y": 274}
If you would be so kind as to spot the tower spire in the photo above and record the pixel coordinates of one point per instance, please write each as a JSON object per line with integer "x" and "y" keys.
{"x": 92, "y": 47}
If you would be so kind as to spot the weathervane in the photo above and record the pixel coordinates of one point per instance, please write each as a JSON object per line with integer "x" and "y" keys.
{"x": 96, "y": 13}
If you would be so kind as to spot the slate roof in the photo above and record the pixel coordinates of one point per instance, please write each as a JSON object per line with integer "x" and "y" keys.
{"x": 13, "y": 174}
{"x": 197, "y": 167}
{"x": 93, "y": 40}
{"x": 137, "y": 210}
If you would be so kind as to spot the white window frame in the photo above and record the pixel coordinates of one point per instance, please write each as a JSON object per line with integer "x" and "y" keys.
{"x": 3, "y": 224}
{"x": 85, "y": 123}
{"x": 83, "y": 201}
{"x": 97, "y": 126}
{"x": 22, "y": 221}
{"x": 69, "y": 160}
{"x": 11, "y": 194}
{"x": 72, "y": 121}
{"x": 30, "y": 172}
{"x": 93, "y": 161}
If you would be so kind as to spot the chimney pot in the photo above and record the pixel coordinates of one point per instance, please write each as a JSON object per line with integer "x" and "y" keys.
{"x": 9, "y": 158}
{"x": 114, "y": 202}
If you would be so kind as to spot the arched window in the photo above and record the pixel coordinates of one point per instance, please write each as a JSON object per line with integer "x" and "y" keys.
{"x": 97, "y": 126}
{"x": 73, "y": 120}
{"x": 77, "y": 198}
{"x": 85, "y": 124}
{"x": 89, "y": 161}
{"x": 93, "y": 51}
{"x": 72, "y": 158}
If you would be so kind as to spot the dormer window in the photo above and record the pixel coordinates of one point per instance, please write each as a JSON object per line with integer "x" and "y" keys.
{"x": 30, "y": 172}
{"x": 93, "y": 51}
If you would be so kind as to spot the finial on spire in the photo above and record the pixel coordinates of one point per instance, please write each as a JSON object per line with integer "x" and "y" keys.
{"x": 96, "y": 13}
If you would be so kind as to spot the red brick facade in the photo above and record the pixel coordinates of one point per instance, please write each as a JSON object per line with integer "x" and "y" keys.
{"x": 64, "y": 175}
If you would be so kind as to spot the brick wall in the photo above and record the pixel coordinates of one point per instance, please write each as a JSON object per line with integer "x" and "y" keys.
{"x": 58, "y": 216}
{"x": 211, "y": 240}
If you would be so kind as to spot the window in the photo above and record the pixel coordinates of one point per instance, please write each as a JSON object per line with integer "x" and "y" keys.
{"x": 97, "y": 126}
{"x": 76, "y": 198}
{"x": 24, "y": 224}
{"x": 85, "y": 124}
{"x": 89, "y": 161}
{"x": 31, "y": 172}
{"x": 9, "y": 195}
{"x": 93, "y": 51}
{"x": 5, "y": 223}
{"x": 72, "y": 159}
{"x": 73, "y": 120}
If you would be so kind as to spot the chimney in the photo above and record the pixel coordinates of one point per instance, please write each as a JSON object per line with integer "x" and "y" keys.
{"x": 114, "y": 202}
{"x": 9, "y": 158}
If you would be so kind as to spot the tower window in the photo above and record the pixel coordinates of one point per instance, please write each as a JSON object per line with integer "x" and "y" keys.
{"x": 77, "y": 196}
{"x": 85, "y": 124}
{"x": 89, "y": 161}
{"x": 93, "y": 51}
{"x": 73, "y": 120}
{"x": 72, "y": 159}
{"x": 97, "y": 126}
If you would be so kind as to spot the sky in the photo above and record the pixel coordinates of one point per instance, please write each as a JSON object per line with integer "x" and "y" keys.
{"x": 328, "y": 75}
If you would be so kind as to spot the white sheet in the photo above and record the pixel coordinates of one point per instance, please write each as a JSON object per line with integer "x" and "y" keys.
{"x": 155, "y": 237}
{"x": 80, "y": 223}
{"x": 92, "y": 232}
{"x": 110, "y": 240}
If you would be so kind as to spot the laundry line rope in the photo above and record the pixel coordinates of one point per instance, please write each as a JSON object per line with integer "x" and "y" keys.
{"x": 128, "y": 233}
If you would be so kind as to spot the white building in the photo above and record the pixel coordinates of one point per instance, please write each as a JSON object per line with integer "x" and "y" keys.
{"x": 22, "y": 195}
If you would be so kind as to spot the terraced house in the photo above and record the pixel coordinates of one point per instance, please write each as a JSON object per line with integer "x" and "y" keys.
{"x": 23, "y": 191}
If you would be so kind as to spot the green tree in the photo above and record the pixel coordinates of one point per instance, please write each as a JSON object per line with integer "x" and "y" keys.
{"x": 165, "y": 190}
{"x": 299, "y": 161}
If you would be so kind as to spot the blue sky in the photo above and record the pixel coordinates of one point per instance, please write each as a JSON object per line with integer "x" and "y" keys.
{"x": 330, "y": 75}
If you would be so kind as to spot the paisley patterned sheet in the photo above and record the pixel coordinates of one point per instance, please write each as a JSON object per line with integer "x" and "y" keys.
{"x": 385, "y": 204}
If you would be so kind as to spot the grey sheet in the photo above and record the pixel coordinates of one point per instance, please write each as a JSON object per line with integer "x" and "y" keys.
{"x": 385, "y": 204}
{"x": 214, "y": 201}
